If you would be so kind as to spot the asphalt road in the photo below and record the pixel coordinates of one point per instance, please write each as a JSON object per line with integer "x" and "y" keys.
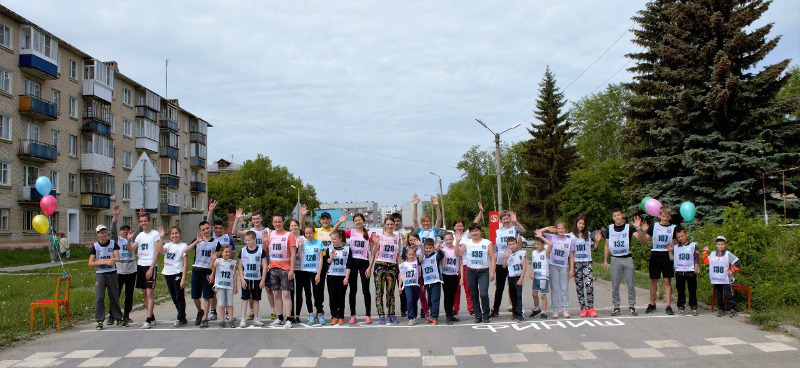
{"x": 654, "y": 339}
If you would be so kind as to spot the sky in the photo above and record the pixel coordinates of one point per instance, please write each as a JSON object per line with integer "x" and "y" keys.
{"x": 363, "y": 99}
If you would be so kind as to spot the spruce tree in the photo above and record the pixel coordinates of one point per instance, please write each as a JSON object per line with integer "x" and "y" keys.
{"x": 705, "y": 120}
{"x": 548, "y": 156}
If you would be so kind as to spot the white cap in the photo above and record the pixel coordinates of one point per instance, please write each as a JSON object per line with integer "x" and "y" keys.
{"x": 721, "y": 238}
{"x": 100, "y": 227}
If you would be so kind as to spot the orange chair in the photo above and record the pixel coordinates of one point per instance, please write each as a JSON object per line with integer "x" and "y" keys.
{"x": 746, "y": 288}
{"x": 54, "y": 303}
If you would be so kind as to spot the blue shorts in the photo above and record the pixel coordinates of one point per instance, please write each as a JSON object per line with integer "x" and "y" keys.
{"x": 541, "y": 285}
{"x": 200, "y": 285}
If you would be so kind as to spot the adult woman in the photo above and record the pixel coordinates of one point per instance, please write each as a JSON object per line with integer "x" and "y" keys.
{"x": 510, "y": 229}
{"x": 358, "y": 240}
{"x": 480, "y": 257}
{"x": 384, "y": 260}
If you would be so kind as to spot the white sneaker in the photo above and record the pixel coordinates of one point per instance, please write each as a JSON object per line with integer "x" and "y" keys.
{"x": 256, "y": 322}
{"x": 242, "y": 324}
{"x": 288, "y": 324}
{"x": 276, "y": 322}
{"x": 145, "y": 326}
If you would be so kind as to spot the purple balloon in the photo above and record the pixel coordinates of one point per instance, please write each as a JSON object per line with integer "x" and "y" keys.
{"x": 652, "y": 206}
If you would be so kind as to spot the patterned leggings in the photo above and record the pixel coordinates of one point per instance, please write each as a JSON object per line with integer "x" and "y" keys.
{"x": 584, "y": 279}
{"x": 385, "y": 279}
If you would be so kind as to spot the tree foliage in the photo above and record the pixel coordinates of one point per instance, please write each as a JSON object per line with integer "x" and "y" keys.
{"x": 598, "y": 120}
{"x": 593, "y": 191}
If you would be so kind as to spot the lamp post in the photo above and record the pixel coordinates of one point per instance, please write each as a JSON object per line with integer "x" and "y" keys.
{"x": 441, "y": 201}
{"x": 298, "y": 199}
{"x": 497, "y": 161}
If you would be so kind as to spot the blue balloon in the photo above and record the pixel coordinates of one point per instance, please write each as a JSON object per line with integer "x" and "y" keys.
{"x": 43, "y": 185}
{"x": 688, "y": 211}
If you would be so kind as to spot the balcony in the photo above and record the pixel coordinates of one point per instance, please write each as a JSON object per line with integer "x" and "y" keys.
{"x": 94, "y": 126}
{"x": 146, "y": 112}
{"x": 96, "y": 163}
{"x": 197, "y": 162}
{"x": 170, "y": 181}
{"x": 197, "y": 186}
{"x": 37, "y": 108}
{"x": 169, "y": 124}
{"x": 30, "y": 194}
{"x": 95, "y": 200}
{"x": 197, "y": 137}
{"x": 95, "y": 88}
{"x": 166, "y": 151}
{"x": 168, "y": 209}
{"x": 39, "y": 66}
{"x": 147, "y": 144}
{"x": 37, "y": 151}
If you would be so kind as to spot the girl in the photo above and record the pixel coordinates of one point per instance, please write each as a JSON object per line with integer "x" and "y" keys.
{"x": 412, "y": 241}
{"x": 311, "y": 264}
{"x": 450, "y": 275}
{"x": 358, "y": 240}
{"x": 223, "y": 277}
{"x": 175, "y": 271}
{"x": 425, "y": 231}
{"x": 409, "y": 283}
{"x": 561, "y": 262}
{"x": 338, "y": 275}
{"x": 510, "y": 229}
{"x": 480, "y": 258}
{"x": 294, "y": 228}
{"x": 584, "y": 276}
{"x": 384, "y": 261}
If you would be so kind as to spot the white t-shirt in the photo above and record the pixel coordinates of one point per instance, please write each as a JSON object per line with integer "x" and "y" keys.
{"x": 174, "y": 258}
{"x": 478, "y": 254}
{"x": 147, "y": 247}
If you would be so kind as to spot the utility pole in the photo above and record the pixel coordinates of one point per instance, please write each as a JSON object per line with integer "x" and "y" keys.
{"x": 441, "y": 200}
{"x": 497, "y": 170}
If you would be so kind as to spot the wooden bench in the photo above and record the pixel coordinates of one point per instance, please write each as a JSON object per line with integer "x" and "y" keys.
{"x": 734, "y": 288}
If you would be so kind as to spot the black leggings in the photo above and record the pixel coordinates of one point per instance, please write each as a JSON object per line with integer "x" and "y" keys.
{"x": 450, "y": 287}
{"x": 177, "y": 293}
{"x": 499, "y": 286}
{"x": 128, "y": 282}
{"x": 360, "y": 265}
{"x": 304, "y": 281}
{"x": 337, "y": 292}
{"x": 319, "y": 289}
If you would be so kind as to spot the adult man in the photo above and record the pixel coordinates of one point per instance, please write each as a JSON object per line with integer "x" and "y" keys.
{"x": 662, "y": 234}
{"x": 618, "y": 246}
{"x": 282, "y": 248}
{"x": 205, "y": 254}
{"x": 146, "y": 244}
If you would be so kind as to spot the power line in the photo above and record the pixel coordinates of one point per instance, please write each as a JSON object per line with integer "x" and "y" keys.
{"x": 599, "y": 57}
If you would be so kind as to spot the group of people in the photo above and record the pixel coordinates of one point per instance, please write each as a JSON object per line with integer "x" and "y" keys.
{"x": 427, "y": 266}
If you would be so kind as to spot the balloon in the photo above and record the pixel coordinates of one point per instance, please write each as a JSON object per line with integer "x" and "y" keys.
{"x": 644, "y": 201}
{"x": 48, "y": 204}
{"x": 688, "y": 211}
{"x": 652, "y": 206}
{"x": 41, "y": 224}
{"x": 43, "y": 185}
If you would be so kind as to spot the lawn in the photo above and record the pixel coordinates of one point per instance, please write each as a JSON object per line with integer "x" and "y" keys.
{"x": 22, "y": 257}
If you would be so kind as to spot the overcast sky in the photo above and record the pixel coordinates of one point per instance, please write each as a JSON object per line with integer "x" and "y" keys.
{"x": 402, "y": 79}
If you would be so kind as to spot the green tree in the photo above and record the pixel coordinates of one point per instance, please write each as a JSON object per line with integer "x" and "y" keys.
{"x": 704, "y": 121}
{"x": 791, "y": 91}
{"x": 593, "y": 191}
{"x": 598, "y": 120}
{"x": 548, "y": 156}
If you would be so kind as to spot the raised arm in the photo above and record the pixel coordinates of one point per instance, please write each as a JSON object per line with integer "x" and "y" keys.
{"x": 210, "y": 217}
{"x": 516, "y": 223}
{"x": 435, "y": 202}
{"x": 479, "y": 218}
{"x": 641, "y": 229}
{"x": 239, "y": 214}
{"x": 163, "y": 248}
{"x": 303, "y": 213}
{"x": 342, "y": 219}
{"x": 415, "y": 200}
{"x": 114, "y": 234}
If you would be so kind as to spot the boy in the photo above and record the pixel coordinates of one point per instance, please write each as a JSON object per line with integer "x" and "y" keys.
{"x": 126, "y": 268}
{"x": 539, "y": 274}
{"x": 432, "y": 277}
{"x": 204, "y": 256}
{"x": 409, "y": 284}
{"x": 662, "y": 234}
{"x": 219, "y": 228}
{"x": 282, "y": 249}
{"x": 517, "y": 265}
{"x": 618, "y": 246}
{"x": 260, "y": 230}
{"x": 687, "y": 265}
{"x": 223, "y": 277}
{"x": 104, "y": 255}
{"x": 252, "y": 267}
{"x": 146, "y": 244}
{"x": 721, "y": 267}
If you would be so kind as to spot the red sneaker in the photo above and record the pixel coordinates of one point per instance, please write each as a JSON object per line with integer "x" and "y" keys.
{"x": 592, "y": 312}
{"x": 583, "y": 313}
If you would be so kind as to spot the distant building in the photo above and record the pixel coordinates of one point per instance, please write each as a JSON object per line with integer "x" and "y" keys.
{"x": 368, "y": 209}
{"x": 386, "y": 211}
{"x": 408, "y": 209}
{"x": 222, "y": 167}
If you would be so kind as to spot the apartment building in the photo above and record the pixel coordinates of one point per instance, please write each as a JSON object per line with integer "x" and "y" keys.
{"x": 81, "y": 122}
{"x": 369, "y": 209}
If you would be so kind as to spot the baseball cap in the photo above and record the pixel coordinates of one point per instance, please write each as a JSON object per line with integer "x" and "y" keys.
{"x": 324, "y": 215}
{"x": 100, "y": 227}
{"x": 721, "y": 238}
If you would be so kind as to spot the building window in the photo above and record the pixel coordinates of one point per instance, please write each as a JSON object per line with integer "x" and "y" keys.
{"x": 31, "y": 174}
{"x": 126, "y": 192}
{"x": 55, "y": 97}
{"x": 5, "y": 35}
{"x": 113, "y": 123}
{"x": 107, "y": 220}
{"x": 54, "y": 181}
{"x": 72, "y": 179}
{"x": 5, "y": 178}
{"x": 186, "y": 176}
{"x": 73, "y": 145}
{"x": 100, "y": 145}
{"x": 127, "y": 157}
{"x": 54, "y": 221}
{"x": 5, "y": 81}
{"x": 27, "y": 218}
{"x": 32, "y": 132}
{"x": 126, "y": 128}
{"x": 73, "y": 107}
{"x": 32, "y": 88}
{"x": 127, "y": 96}
{"x": 4, "y": 219}
{"x": 127, "y": 220}
{"x": 73, "y": 69}
{"x": 5, "y": 127}
{"x": 54, "y": 135}
{"x": 91, "y": 223}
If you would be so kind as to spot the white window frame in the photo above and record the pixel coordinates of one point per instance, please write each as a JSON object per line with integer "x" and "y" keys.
{"x": 126, "y": 191}
{"x": 33, "y": 88}
{"x": 55, "y": 136}
{"x": 6, "y": 81}
{"x": 27, "y": 218}
{"x": 33, "y": 132}
{"x": 5, "y": 173}
{"x": 55, "y": 97}
{"x": 127, "y": 96}
{"x": 4, "y": 214}
{"x": 90, "y": 221}
{"x": 73, "y": 145}
{"x": 73, "y": 69}
{"x": 73, "y": 179}
{"x": 73, "y": 107}
{"x": 30, "y": 180}
{"x": 5, "y": 127}
{"x": 127, "y": 128}
{"x": 127, "y": 159}
{"x": 6, "y": 36}
{"x": 54, "y": 181}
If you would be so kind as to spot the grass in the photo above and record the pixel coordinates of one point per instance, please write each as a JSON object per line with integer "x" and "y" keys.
{"x": 21, "y": 257}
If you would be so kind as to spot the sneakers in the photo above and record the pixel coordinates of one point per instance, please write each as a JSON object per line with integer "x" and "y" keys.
{"x": 223, "y": 324}
{"x": 251, "y": 316}
{"x": 311, "y": 319}
{"x": 128, "y": 319}
{"x": 434, "y": 321}
{"x": 555, "y": 314}
{"x": 720, "y": 313}
{"x": 591, "y": 312}
{"x": 110, "y": 320}
{"x": 145, "y": 326}
{"x": 242, "y": 324}
{"x": 535, "y": 312}
{"x": 412, "y": 321}
{"x": 566, "y": 314}
{"x": 204, "y": 324}
{"x": 632, "y": 311}
{"x": 615, "y": 312}
{"x": 273, "y": 316}
{"x": 510, "y": 308}
{"x": 455, "y": 319}
{"x": 213, "y": 315}
{"x": 733, "y": 313}
{"x": 367, "y": 320}
{"x": 543, "y": 316}
{"x": 650, "y": 308}
{"x": 382, "y": 320}
{"x": 428, "y": 320}
{"x": 281, "y": 322}
{"x": 99, "y": 325}
{"x": 403, "y": 314}
{"x": 681, "y": 312}
{"x": 153, "y": 321}
{"x": 352, "y": 320}
{"x": 393, "y": 319}
{"x": 494, "y": 314}
{"x": 321, "y": 319}
{"x": 335, "y": 321}
{"x": 199, "y": 318}
{"x": 449, "y": 320}
{"x": 670, "y": 311}
{"x": 288, "y": 324}
{"x": 485, "y": 319}
{"x": 694, "y": 312}
{"x": 583, "y": 313}
{"x": 231, "y": 324}
{"x": 122, "y": 323}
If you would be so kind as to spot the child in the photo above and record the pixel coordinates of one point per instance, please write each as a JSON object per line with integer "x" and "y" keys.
{"x": 517, "y": 265}
{"x": 175, "y": 271}
{"x": 384, "y": 261}
{"x": 584, "y": 275}
{"x": 126, "y": 267}
{"x": 425, "y": 231}
{"x": 338, "y": 275}
{"x": 358, "y": 240}
{"x": 310, "y": 266}
{"x": 294, "y": 228}
{"x": 409, "y": 281}
{"x": 450, "y": 276}
{"x": 413, "y": 241}
{"x": 260, "y": 230}
{"x": 540, "y": 275}
{"x": 204, "y": 256}
{"x": 721, "y": 267}
{"x": 104, "y": 255}
{"x": 687, "y": 265}
{"x": 561, "y": 262}
{"x": 63, "y": 246}
{"x": 510, "y": 228}
{"x": 146, "y": 244}
{"x": 432, "y": 277}
{"x": 282, "y": 249}
{"x": 252, "y": 264}
{"x": 223, "y": 277}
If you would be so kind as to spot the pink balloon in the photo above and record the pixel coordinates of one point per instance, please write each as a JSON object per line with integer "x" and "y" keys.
{"x": 48, "y": 204}
{"x": 652, "y": 206}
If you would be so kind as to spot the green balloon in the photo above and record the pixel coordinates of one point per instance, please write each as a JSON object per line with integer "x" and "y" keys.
{"x": 645, "y": 201}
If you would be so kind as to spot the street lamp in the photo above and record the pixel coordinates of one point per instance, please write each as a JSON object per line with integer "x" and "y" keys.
{"x": 298, "y": 199}
{"x": 444, "y": 222}
{"x": 497, "y": 161}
